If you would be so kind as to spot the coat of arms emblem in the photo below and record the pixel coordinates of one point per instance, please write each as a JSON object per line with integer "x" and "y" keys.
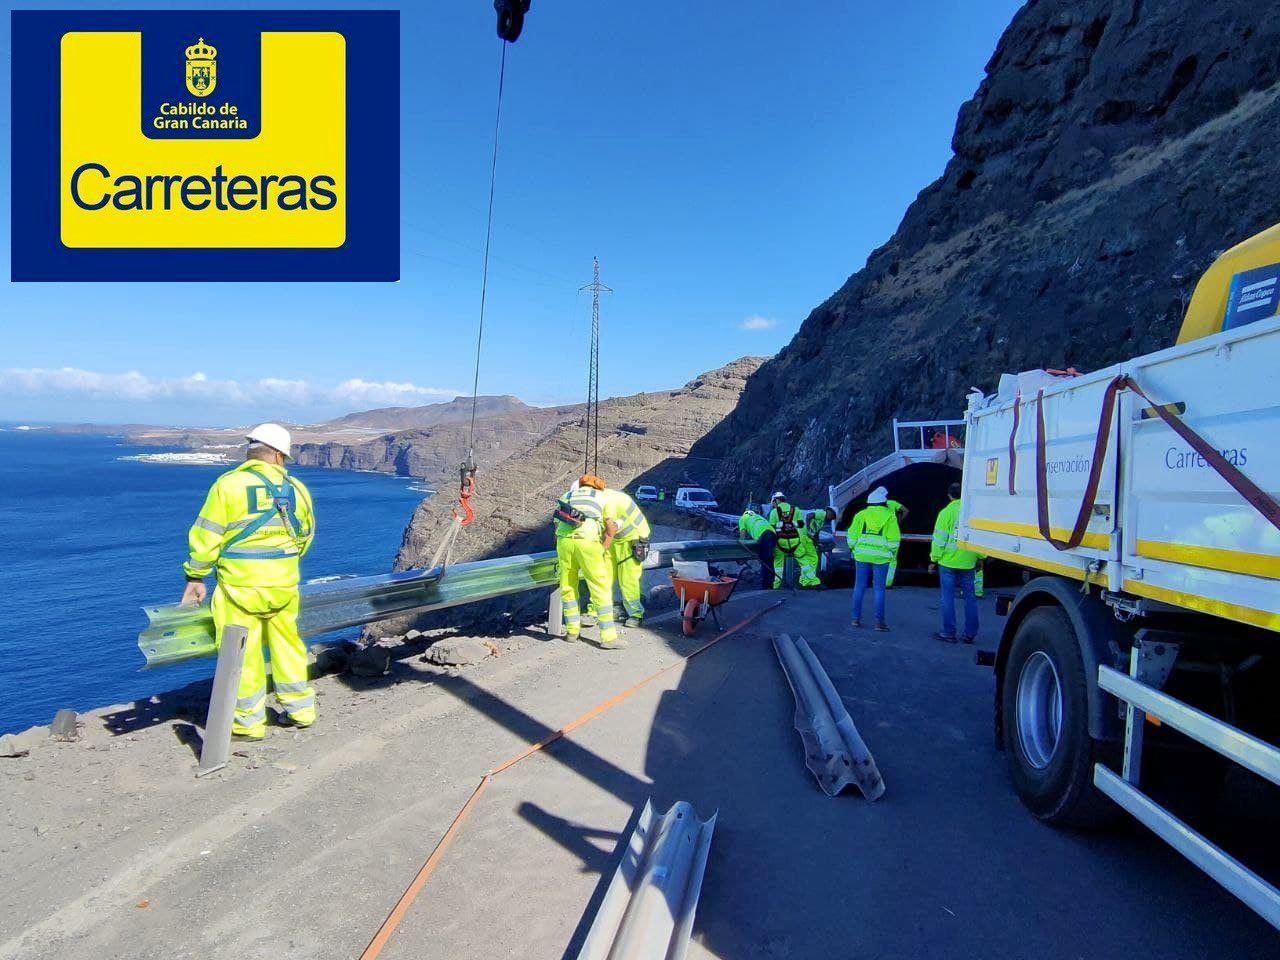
{"x": 202, "y": 68}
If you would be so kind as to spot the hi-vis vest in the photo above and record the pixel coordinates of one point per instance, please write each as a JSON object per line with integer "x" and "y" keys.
{"x": 588, "y": 503}
{"x": 621, "y": 509}
{"x": 945, "y": 551}
{"x": 785, "y": 519}
{"x": 256, "y": 522}
{"x": 874, "y": 535}
{"x": 753, "y": 525}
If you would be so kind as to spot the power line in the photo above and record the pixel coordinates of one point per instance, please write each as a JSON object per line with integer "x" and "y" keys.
{"x": 591, "y": 456}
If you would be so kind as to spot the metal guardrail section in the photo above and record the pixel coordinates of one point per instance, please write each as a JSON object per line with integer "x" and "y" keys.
{"x": 1254, "y": 754}
{"x": 647, "y": 912}
{"x": 176, "y": 634}
{"x": 834, "y": 751}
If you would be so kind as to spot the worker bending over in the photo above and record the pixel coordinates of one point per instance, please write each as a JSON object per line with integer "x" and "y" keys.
{"x": 583, "y": 540}
{"x": 873, "y": 540}
{"x": 753, "y": 527}
{"x": 807, "y": 555}
{"x": 788, "y": 526}
{"x": 255, "y": 525}
{"x": 626, "y": 555}
{"x": 955, "y": 566}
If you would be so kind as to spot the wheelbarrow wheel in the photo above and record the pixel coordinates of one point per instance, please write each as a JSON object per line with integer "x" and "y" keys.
{"x": 690, "y": 619}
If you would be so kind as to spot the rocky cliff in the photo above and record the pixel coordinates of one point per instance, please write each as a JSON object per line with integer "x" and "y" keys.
{"x": 428, "y": 415}
{"x": 1114, "y": 148}
{"x": 434, "y": 453}
{"x": 515, "y": 499}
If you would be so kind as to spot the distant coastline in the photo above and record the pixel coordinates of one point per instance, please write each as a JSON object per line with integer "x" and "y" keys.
{"x": 191, "y": 459}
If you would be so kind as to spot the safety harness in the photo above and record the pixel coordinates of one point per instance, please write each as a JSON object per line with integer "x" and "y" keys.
{"x": 284, "y": 506}
{"x": 787, "y": 529}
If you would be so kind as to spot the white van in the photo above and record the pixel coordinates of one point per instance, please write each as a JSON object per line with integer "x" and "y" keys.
{"x": 646, "y": 492}
{"x": 699, "y": 498}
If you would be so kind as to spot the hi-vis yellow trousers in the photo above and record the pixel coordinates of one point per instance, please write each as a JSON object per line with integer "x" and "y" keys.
{"x": 270, "y": 614}
{"x": 584, "y": 557}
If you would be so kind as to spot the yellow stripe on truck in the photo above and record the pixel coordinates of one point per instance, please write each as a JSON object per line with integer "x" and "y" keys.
{"x": 1218, "y": 608}
{"x": 1212, "y": 558}
{"x": 1035, "y": 563}
{"x": 1094, "y": 541}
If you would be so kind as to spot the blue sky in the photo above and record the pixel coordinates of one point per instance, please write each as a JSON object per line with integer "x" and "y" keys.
{"x": 729, "y": 175}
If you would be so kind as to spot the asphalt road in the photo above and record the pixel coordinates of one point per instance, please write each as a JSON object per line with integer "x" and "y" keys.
{"x": 302, "y": 845}
{"x": 947, "y": 865}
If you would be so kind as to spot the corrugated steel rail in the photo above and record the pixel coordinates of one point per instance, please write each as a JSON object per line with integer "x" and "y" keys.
{"x": 176, "y": 634}
{"x": 647, "y": 912}
{"x": 834, "y": 751}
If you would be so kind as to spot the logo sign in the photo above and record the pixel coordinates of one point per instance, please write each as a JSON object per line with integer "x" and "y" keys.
{"x": 229, "y": 145}
{"x": 993, "y": 471}
{"x": 1255, "y": 295}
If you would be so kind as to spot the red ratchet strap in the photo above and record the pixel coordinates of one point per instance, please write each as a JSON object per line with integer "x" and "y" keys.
{"x": 1259, "y": 499}
{"x": 468, "y": 487}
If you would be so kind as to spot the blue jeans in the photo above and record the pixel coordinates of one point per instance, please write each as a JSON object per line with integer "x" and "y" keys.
{"x": 948, "y": 581}
{"x": 864, "y": 573}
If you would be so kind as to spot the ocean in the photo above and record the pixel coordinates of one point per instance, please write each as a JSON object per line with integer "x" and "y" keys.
{"x": 87, "y": 539}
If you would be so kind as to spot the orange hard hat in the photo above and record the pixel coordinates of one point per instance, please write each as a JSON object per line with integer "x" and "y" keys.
{"x": 590, "y": 480}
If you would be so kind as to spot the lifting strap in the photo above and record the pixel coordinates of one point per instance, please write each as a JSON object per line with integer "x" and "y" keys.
{"x": 1258, "y": 498}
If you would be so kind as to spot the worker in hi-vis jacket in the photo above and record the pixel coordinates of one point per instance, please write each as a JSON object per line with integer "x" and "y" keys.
{"x": 583, "y": 539}
{"x": 626, "y": 555}
{"x": 254, "y": 527}
{"x": 752, "y": 526}
{"x": 955, "y": 566}
{"x": 873, "y": 540}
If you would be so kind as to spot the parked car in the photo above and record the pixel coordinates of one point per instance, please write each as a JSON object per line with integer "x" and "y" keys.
{"x": 696, "y": 498}
{"x": 646, "y": 492}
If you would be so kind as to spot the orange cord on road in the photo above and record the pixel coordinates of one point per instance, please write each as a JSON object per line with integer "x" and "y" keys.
{"x": 397, "y": 913}
{"x": 411, "y": 892}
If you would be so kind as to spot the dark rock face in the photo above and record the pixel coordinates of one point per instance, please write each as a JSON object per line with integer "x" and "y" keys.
{"x": 1113, "y": 150}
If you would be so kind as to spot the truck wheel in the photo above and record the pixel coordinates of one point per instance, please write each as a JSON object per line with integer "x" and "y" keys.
{"x": 1051, "y": 754}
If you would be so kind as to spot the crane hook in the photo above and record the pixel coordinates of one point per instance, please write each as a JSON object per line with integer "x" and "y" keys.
{"x": 466, "y": 487}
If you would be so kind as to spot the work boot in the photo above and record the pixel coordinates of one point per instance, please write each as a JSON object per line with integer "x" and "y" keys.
{"x": 882, "y": 628}
{"x": 570, "y": 638}
{"x": 857, "y": 623}
{"x": 633, "y": 622}
{"x": 968, "y": 639}
{"x": 945, "y": 638}
{"x": 618, "y": 644}
{"x": 588, "y": 620}
{"x": 248, "y": 737}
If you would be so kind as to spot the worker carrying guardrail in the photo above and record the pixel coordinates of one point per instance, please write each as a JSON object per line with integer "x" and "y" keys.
{"x": 626, "y": 554}
{"x": 584, "y": 538}
{"x": 254, "y": 527}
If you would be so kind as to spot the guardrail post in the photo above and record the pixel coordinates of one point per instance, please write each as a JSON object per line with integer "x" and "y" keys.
{"x": 222, "y": 701}
{"x": 555, "y": 614}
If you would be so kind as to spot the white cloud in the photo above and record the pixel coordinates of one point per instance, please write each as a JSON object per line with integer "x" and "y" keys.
{"x": 74, "y": 383}
{"x": 757, "y": 322}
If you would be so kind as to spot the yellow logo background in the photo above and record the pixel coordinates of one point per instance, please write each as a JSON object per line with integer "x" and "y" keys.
{"x": 303, "y": 133}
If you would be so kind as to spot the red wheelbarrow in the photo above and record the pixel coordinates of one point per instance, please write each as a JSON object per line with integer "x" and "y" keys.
{"x": 700, "y": 593}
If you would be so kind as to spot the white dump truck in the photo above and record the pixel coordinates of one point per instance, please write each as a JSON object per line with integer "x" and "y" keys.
{"x": 1141, "y": 503}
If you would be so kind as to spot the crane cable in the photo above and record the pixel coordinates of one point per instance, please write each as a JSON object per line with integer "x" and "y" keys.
{"x": 467, "y": 471}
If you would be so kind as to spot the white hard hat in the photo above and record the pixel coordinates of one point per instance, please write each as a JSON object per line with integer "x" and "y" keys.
{"x": 272, "y": 435}
{"x": 779, "y": 496}
{"x": 878, "y": 495}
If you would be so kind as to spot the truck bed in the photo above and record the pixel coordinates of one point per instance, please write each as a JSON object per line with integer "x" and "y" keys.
{"x": 1166, "y": 527}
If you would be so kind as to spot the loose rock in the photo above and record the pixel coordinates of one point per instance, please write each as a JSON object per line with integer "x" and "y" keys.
{"x": 457, "y": 652}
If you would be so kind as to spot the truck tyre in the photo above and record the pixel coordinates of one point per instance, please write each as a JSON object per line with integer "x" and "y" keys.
{"x": 1045, "y": 700}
